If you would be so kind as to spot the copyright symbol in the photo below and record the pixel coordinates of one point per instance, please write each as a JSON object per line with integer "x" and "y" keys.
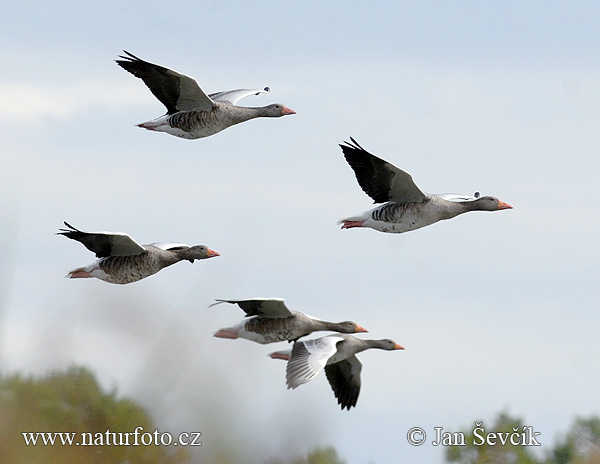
{"x": 416, "y": 436}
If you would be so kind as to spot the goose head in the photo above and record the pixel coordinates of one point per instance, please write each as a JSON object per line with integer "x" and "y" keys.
{"x": 489, "y": 204}
{"x": 349, "y": 327}
{"x": 386, "y": 344}
{"x": 276, "y": 110}
{"x": 197, "y": 252}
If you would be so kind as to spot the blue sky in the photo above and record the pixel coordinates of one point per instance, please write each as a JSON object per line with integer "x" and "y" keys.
{"x": 496, "y": 311}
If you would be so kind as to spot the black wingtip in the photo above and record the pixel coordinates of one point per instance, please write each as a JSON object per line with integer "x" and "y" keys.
{"x": 131, "y": 58}
{"x": 67, "y": 231}
{"x": 353, "y": 144}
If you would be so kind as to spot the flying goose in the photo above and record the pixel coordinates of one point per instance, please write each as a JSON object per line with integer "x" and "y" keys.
{"x": 191, "y": 114}
{"x": 335, "y": 354}
{"x": 271, "y": 321}
{"x": 122, "y": 260}
{"x": 405, "y": 206}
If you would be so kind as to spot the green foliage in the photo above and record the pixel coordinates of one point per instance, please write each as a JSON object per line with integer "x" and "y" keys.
{"x": 581, "y": 445}
{"x": 72, "y": 401}
{"x": 318, "y": 456}
{"x": 321, "y": 456}
{"x": 471, "y": 453}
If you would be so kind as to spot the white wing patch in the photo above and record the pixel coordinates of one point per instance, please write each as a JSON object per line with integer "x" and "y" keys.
{"x": 309, "y": 358}
{"x": 458, "y": 196}
{"x": 168, "y": 245}
{"x": 233, "y": 96}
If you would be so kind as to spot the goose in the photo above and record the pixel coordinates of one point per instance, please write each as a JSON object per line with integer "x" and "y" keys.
{"x": 191, "y": 114}
{"x": 121, "y": 260}
{"x": 405, "y": 206}
{"x": 271, "y": 321}
{"x": 337, "y": 355}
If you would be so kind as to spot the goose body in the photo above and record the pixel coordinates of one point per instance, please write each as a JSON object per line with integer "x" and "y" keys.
{"x": 270, "y": 320}
{"x": 336, "y": 354}
{"x": 405, "y": 207}
{"x": 121, "y": 260}
{"x": 191, "y": 114}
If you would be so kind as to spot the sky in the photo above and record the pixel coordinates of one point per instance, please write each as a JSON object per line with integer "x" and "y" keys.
{"x": 497, "y": 311}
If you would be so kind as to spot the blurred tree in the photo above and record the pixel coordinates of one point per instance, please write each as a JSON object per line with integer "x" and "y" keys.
{"x": 318, "y": 456}
{"x": 321, "y": 456}
{"x": 471, "y": 453}
{"x": 72, "y": 401}
{"x": 581, "y": 444}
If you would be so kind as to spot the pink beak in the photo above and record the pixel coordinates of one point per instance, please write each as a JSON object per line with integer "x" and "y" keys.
{"x": 285, "y": 110}
{"x": 210, "y": 253}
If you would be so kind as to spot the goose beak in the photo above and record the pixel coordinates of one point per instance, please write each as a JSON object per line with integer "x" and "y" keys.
{"x": 502, "y": 205}
{"x": 211, "y": 253}
{"x": 398, "y": 347}
{"x": 285, "y": 110}
{"x": 360, "y": 329}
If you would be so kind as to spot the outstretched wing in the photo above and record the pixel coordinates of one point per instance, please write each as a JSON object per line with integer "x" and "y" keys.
{"x": 458, "y": 196}
{"x": 344, "y": 378}
{"x": 309, "y": 358}
{"x": 104, "y": 243}
{"x": 233, "y": 96}
{"x": 381, "y": 180}
{"x": 265, "y": 307}
{"x": 169, "y": 245}
{"x": 176, "y": 91}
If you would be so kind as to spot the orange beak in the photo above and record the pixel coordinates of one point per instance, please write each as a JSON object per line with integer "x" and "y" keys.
{"x": 211, "y": 253}
{"x": 360, "y": 329}
{"x": 398, "y": 347}
{"x": 502, "y": 205}
{"x": 285, "y": 110}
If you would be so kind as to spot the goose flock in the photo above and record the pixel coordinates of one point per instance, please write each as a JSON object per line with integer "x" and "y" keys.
{"x": 192, "y": 114}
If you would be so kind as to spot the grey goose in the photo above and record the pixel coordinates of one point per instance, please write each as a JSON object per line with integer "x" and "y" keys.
{"x": 121, "y": 260}
{"x": 405, "y": 206}
{"x": 191, "y": 114}
{"x": 270, "y": 320}
{"x": 336, "y": 354}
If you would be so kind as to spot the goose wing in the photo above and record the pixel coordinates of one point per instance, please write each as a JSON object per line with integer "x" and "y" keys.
{"x": 458, "y": 196}
{"x": 265, "y": 307}
{"x": 169, "y": 245}
{"x": 344, "y": 378}
{"x": 309, "y": 358}
{"x": 233, "y": 96}
{"x": 104, "y": 243}
{"x": 176, "y": 91}
{"x": 381, "y": 180}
